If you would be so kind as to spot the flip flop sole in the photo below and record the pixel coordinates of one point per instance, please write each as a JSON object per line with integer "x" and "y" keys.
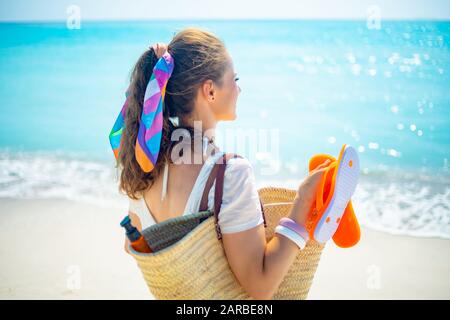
{"x": 345, "y": 180}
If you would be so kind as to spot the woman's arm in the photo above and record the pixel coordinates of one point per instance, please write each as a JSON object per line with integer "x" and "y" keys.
{"x": 261, "y": 266}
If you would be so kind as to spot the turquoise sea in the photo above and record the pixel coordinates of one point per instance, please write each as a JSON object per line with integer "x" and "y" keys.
{"x": 313, "y": 85}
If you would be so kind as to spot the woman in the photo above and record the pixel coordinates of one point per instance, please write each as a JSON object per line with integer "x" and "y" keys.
{"x": 202, "y": 89}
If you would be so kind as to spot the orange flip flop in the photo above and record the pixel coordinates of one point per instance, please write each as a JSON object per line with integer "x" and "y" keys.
{"x": 333, "y": 215}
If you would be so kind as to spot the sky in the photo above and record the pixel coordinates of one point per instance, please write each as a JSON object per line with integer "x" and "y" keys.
{"x": 57, "y": 10}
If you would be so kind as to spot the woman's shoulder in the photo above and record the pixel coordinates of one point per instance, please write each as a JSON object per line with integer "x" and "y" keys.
{"x": 240, "y": 209}
{"x": 239, "y": 174}
{"x": 238, "y": 159}
{"x": 238, "y": 164}
{"x": 238, "y": 171}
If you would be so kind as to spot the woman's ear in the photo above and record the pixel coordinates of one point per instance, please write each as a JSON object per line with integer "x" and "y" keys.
{"x": 208, "y": 90}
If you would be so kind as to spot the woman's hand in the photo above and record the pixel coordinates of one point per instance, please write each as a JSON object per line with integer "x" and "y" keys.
{"x": 306, "y": 193}
{"x": 159, "y": 49}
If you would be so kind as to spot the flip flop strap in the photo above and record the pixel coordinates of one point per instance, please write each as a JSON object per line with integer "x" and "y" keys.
{"x": 319, "y": 194}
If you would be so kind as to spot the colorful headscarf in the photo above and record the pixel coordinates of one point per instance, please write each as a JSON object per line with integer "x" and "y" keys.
{"x": 150, "y": 128}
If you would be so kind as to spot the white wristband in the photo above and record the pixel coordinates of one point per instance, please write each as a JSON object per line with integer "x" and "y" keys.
{"x": 292, "y": 235}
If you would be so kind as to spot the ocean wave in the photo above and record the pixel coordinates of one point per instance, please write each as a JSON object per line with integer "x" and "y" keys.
{"x": 398, "y": 202}
{"x": 41, "y": 175}
{"x": 418, "y": 207}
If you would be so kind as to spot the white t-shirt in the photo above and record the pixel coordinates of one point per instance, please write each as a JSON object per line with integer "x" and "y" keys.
{"x": 240, "y": 210}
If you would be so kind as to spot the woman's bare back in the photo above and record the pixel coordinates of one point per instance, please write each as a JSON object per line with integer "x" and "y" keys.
{"x": 180, "y": 182}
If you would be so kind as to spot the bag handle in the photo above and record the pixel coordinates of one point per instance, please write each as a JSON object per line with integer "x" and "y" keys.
{"x": 218, "y": 174}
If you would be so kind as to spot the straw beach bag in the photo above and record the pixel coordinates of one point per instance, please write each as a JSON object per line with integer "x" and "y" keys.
{"x": 189, "y": 260}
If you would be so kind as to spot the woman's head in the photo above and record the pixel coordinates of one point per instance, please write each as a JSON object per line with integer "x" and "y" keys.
{"x": 202, "y": 87}
{"x": 203, "y": 80}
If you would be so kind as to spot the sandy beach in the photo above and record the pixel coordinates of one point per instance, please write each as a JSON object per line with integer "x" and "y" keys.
{"x": 59, "y": 249}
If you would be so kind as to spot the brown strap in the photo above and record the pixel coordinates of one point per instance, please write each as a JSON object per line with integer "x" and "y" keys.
{"x": 262, "y": 211}
{"x": 218, "y": 191}
{"x": 218, "y": 174}
{"x": 208, "y": 186}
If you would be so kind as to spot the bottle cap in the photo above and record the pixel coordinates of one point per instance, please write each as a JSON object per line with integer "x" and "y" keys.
{"x": 132, "y": 233}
